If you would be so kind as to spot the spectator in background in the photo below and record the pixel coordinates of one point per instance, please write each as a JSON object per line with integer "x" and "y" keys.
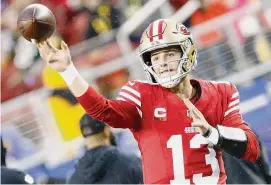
{"x": 15, "y": 77}
{"x": 12, "y": 176}
{"x": 244, "y": 172}
{"x": 248, "y": 28}
{"x": 131, "y": 7}
{"x": 127, "y": 143}
{"x": 265, "y": 19}
{"x": 3, "y": 153}
{"x": 61, "y": 11}
{"x": 62, "y": 101}
{"x": 16, "y": 143}
{"x": 177, "y": 4}
{"x": 103, "y": 163}
{"x": 214, "y": 50}
{"x": 91, "y": 19}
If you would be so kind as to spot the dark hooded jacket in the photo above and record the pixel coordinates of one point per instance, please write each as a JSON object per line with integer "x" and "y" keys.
{"x": 243, "y": 172}
{"x": 107, "y": 165}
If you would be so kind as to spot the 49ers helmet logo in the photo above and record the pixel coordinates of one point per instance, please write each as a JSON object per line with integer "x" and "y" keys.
{"x": 182, "y": 29}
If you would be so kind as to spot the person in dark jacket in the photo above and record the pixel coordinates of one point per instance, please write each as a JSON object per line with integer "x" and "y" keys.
{"x": 103, "y": 163}
{"x": 244, "y": 172}
{"x": 3, "y": 153}
{"x": 12, "y": 176}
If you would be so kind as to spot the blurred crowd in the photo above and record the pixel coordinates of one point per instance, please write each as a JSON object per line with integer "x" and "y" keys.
{"x": 81, "y": 20}
{"x": 76, "y": 22}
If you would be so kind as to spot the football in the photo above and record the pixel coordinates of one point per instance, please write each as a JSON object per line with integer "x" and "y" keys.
{"x": 36, "y": 23}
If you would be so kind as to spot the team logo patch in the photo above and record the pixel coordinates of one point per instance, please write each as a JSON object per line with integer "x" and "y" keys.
{"x": 180, "y": 28}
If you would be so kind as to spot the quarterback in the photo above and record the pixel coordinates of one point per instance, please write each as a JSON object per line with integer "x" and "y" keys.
{"x": 181, "y": 124}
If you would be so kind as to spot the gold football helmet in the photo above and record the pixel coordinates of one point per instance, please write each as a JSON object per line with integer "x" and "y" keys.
{"x": 164, "y": 33}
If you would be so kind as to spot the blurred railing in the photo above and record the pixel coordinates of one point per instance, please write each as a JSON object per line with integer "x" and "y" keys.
{"x": 26, "y": 118}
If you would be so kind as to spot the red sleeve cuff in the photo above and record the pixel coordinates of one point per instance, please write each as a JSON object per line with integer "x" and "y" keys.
{"x": 253, "y": 149}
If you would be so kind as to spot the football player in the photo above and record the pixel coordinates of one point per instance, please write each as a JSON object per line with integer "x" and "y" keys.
{"x": 181, "y": 124}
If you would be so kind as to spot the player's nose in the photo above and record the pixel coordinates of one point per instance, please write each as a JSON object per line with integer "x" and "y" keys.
{"x": 164, "y": 63}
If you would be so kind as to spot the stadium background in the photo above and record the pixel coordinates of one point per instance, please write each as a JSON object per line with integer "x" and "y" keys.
{"x": 40, "y": 130}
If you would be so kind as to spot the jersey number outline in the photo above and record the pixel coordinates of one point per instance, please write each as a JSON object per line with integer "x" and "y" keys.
{"x": 176, "y": 144}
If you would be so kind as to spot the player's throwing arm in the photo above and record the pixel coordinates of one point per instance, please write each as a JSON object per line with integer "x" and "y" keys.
{"x": 114, "y": 113}
{"x": 60, "y": 60}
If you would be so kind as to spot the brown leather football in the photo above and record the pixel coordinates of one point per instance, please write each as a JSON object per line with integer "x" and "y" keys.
{"x": 36, "y": 23}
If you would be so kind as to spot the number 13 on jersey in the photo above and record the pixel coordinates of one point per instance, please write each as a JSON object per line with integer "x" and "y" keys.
{"x": 176, "y": 144}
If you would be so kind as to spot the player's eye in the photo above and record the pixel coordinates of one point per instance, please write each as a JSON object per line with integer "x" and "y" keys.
{"x": 171, "y": 54}
{"x": 155, "y": 58}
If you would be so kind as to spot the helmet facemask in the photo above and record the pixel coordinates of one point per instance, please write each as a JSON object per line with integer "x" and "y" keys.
{"x": 186, "y": 64}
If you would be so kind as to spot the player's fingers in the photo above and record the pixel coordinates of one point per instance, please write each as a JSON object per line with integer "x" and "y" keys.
{"x": 49, "y": 58}
{"x": 64, "y": 46}
{"x": 197, "y": 113}
{"x": 188, "y": 103}
{"x": 197, "y": 126}
{"x": 40, "y": 45}
{"x": 42, "y": 53}
{"x": 43, "y": 50}
{"x": 191, "y": 106}
{"x": 50, "y": 46}
{"x": 192, "y": 115}
{"x": 197, "y": 123}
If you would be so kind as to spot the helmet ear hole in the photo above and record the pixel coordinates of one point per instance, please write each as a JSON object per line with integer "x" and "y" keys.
{"x": 147, "y": 58}
{"x": 178, "y": 47}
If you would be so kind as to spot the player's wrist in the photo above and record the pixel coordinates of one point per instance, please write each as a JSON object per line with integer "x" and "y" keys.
{"x": 212, "y": 135}
{"x": 69, "y": 74}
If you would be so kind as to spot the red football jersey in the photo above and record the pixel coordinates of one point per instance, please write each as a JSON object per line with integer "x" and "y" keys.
{"x": 172, "y": 151}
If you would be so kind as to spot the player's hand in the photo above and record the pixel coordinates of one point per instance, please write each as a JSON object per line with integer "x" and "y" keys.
{"x": 199, "y": 121}
{"x": 58, "y": 59}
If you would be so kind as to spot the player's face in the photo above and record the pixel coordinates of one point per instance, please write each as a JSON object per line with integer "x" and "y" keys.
{"x": 165, "y": 62}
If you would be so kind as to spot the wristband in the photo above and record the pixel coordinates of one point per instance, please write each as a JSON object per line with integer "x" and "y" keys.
{"x": 69, "y": 74}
